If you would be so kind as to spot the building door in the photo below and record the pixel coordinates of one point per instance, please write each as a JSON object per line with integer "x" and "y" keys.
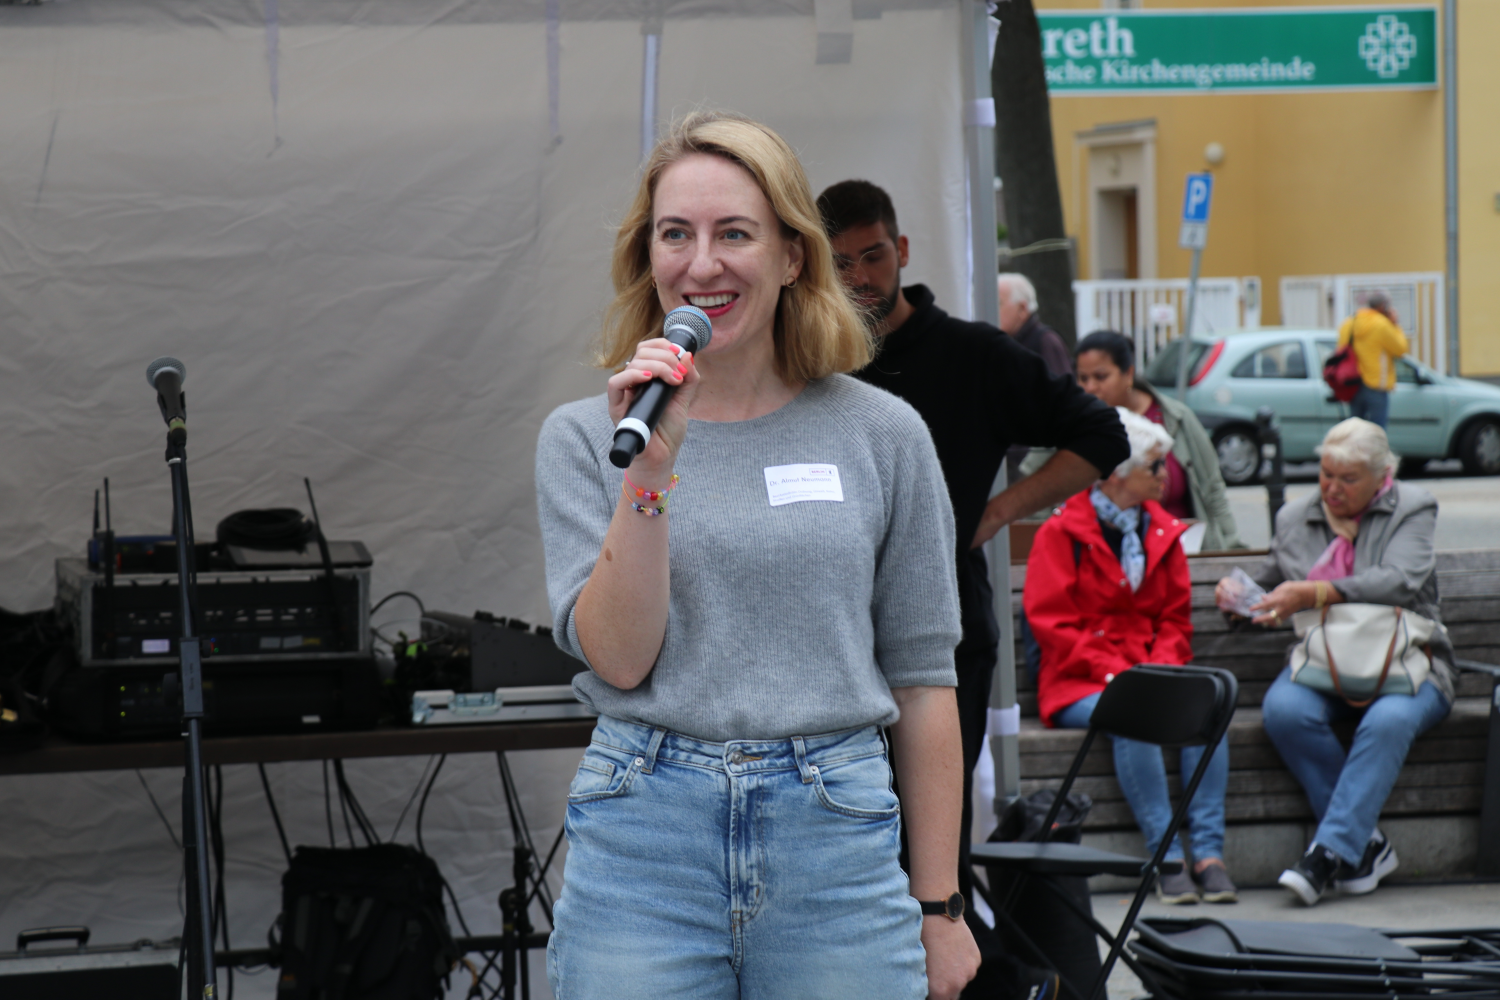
{"x": 1119, "y": 199}
{"x": 1117, "y": 232}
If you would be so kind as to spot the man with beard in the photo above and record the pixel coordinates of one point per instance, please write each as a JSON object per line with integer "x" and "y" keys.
{"x": 979, "y": 392}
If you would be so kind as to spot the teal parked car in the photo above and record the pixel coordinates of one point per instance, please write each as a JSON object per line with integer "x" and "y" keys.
{"x": 1234, "y": 374}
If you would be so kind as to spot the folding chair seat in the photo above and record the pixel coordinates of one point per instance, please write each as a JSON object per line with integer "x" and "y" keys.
{"x": 1170, "y": 706}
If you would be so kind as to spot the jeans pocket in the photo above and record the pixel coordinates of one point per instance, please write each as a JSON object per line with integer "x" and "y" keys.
{"x": 599, "y": 777}
{"x": 859, "y": 788}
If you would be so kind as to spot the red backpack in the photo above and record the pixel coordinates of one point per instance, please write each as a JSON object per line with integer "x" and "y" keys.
{"x": 1341, "y": 372}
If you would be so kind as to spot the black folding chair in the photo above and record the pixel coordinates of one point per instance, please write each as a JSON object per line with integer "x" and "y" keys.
{"x": 1170, "y": 706}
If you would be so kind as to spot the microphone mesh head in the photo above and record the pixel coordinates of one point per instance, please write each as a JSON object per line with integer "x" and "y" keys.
{"x": 691, "y": 318}
{"x": 156, "y": 367}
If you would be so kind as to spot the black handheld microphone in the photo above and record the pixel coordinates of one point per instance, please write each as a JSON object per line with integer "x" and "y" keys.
{"x": 166, "y": 376}
{"x": 687, "y": 327}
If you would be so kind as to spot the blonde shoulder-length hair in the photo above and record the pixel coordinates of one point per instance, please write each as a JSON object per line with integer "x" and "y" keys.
{"x": 818, "y": 329}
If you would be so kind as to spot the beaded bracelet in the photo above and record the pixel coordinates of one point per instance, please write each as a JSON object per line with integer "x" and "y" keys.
{"x": 650, "y": 494}
{"x": 641, "y": 508}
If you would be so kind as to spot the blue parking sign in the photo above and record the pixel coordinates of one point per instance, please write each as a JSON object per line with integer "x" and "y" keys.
{"x": 1195, "y": 200}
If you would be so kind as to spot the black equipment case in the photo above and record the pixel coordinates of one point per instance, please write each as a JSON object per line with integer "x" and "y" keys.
{"x": 146, "y": 970}
{"x": 285, "y": 650}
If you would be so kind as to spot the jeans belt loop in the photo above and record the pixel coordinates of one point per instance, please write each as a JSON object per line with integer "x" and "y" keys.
{"x": 799, "y": 745}
{"x": 657, "y": 735}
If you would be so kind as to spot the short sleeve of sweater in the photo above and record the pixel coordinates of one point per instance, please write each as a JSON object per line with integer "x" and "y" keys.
{"x": 575, "y": 506}
{"x": 915, "y": 599}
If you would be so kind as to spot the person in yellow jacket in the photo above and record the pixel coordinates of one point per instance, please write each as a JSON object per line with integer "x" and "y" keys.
{"x": 1378, "y": 342}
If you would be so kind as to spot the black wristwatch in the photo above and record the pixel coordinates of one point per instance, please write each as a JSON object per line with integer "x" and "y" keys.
{"x": 952, "y": 907}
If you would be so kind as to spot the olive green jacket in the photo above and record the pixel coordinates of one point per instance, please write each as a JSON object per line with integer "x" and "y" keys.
{"x": 1196, "y": 454}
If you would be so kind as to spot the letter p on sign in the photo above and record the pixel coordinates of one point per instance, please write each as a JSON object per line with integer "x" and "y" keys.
{"x": 1196, "y": 200}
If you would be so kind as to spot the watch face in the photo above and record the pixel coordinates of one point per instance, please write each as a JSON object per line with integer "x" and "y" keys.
{"x": 955, "y": 906}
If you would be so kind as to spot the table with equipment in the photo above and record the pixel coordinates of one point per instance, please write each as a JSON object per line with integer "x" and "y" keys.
{"x": 62, "y": 755}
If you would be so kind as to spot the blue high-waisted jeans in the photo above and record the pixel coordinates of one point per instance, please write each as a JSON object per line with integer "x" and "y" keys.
{"x": 766, "y": 870}
{"x": 1347, "y": 791}
{"x": 1143, "y": 778}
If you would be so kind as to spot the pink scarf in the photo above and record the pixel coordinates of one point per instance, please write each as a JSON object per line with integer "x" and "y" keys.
{"x": 1337, "y": 561}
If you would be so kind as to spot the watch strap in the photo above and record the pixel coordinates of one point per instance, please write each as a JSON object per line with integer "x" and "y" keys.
{"x": 952, "y": 907}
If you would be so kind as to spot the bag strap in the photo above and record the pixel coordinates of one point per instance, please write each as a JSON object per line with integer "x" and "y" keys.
{"x": 1333, "y": 670}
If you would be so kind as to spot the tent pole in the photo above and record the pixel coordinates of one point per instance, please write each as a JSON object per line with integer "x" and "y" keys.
{"x": 979, "y": 145}
{"x": 650, "y": 67}
{"x": 1450, "y": 181}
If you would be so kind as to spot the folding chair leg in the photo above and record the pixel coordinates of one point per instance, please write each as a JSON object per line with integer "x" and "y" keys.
{"x": 1153, "y": 867}
{"x": 1145, "y": 976}
{"x": 1489, "y": 808}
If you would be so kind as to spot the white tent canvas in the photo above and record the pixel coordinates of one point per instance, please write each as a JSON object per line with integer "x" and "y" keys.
{"x": 378, "y": 235}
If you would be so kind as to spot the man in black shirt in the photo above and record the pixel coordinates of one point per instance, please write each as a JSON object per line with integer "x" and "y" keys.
{"x": 979, "y": 392}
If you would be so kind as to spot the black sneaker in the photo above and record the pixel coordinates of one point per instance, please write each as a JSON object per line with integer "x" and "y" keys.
{"x": 1378, "y": 862}
{"x": 1311, "y": 877}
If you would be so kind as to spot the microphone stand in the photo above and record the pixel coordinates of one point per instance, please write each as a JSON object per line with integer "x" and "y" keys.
{"x": 202, "y": 983}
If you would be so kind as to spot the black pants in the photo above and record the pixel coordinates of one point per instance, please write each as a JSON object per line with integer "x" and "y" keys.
{"x": 976, "y": 670}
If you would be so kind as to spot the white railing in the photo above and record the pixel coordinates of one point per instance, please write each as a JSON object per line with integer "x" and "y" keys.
{"x": 1324, "y": 300}
{"x": 1152, "y": 312}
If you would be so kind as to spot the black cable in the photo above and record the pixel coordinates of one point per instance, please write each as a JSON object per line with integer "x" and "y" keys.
{"x": 328, "y": 805}
{"x": 399, "y": 593}
{"x": 546, "y": 865}
{"x": 522, "y": 832}
{"x": 421, "y": 846}
{"x": 219, "y": 918}
{"x": 343, "y": 805}
{"x": 422, "y": 807}
{"x": 157, "y": 806}
{"x": 411, "y": 800}
{"x": 265, "y": 783}
{"x": 346, "y": 792}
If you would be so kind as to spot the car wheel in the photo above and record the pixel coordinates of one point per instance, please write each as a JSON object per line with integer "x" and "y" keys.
{"x": 1239, "y": 455}
{"x": 1480, "y": 449}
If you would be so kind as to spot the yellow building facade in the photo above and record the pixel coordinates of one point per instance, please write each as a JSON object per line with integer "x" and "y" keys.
{"x": 1309, "y": 182}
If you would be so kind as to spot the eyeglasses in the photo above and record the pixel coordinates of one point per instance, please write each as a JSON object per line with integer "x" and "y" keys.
{"x": 1157, "y": 466}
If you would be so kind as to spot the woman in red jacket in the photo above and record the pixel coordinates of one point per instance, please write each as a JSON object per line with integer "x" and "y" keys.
{"x": 1107, "y": 587}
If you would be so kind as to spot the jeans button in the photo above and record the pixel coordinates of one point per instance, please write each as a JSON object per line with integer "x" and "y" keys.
{"x": 640, "y": 762}
{"x": 813, "y": 768}
{"x": 736, "y": 757}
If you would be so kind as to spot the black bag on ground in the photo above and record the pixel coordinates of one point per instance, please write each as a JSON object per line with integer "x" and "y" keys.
{"x": 363, "y": 923}
{"x": 1065, "y": 941}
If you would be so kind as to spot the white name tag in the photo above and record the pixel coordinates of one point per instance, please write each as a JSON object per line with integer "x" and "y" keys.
{"x": 795, "y": 483}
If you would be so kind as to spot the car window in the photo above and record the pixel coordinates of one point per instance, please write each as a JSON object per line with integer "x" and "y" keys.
{"x": 1406, "y": 373}
{"x": 1325, "y": 351}
{"x": 1162, "y": 369}
{"x": 1284, "y": 360}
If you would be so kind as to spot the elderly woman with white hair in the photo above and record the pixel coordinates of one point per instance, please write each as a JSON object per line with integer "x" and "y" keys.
{"x": 1107, "y": 587}
{"x": 1363, "y": 538}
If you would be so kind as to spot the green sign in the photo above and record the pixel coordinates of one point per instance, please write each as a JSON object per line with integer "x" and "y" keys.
{"x": 1238, "y": 50}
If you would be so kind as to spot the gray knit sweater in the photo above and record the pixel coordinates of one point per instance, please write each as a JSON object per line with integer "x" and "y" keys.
{"x": 785, "y": 620}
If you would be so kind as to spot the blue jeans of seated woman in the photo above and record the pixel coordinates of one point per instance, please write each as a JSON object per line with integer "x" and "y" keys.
{"x": 1346, "y": 791}
{"x": 1142, "y": 775}
{"x": 756, "y": 869}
